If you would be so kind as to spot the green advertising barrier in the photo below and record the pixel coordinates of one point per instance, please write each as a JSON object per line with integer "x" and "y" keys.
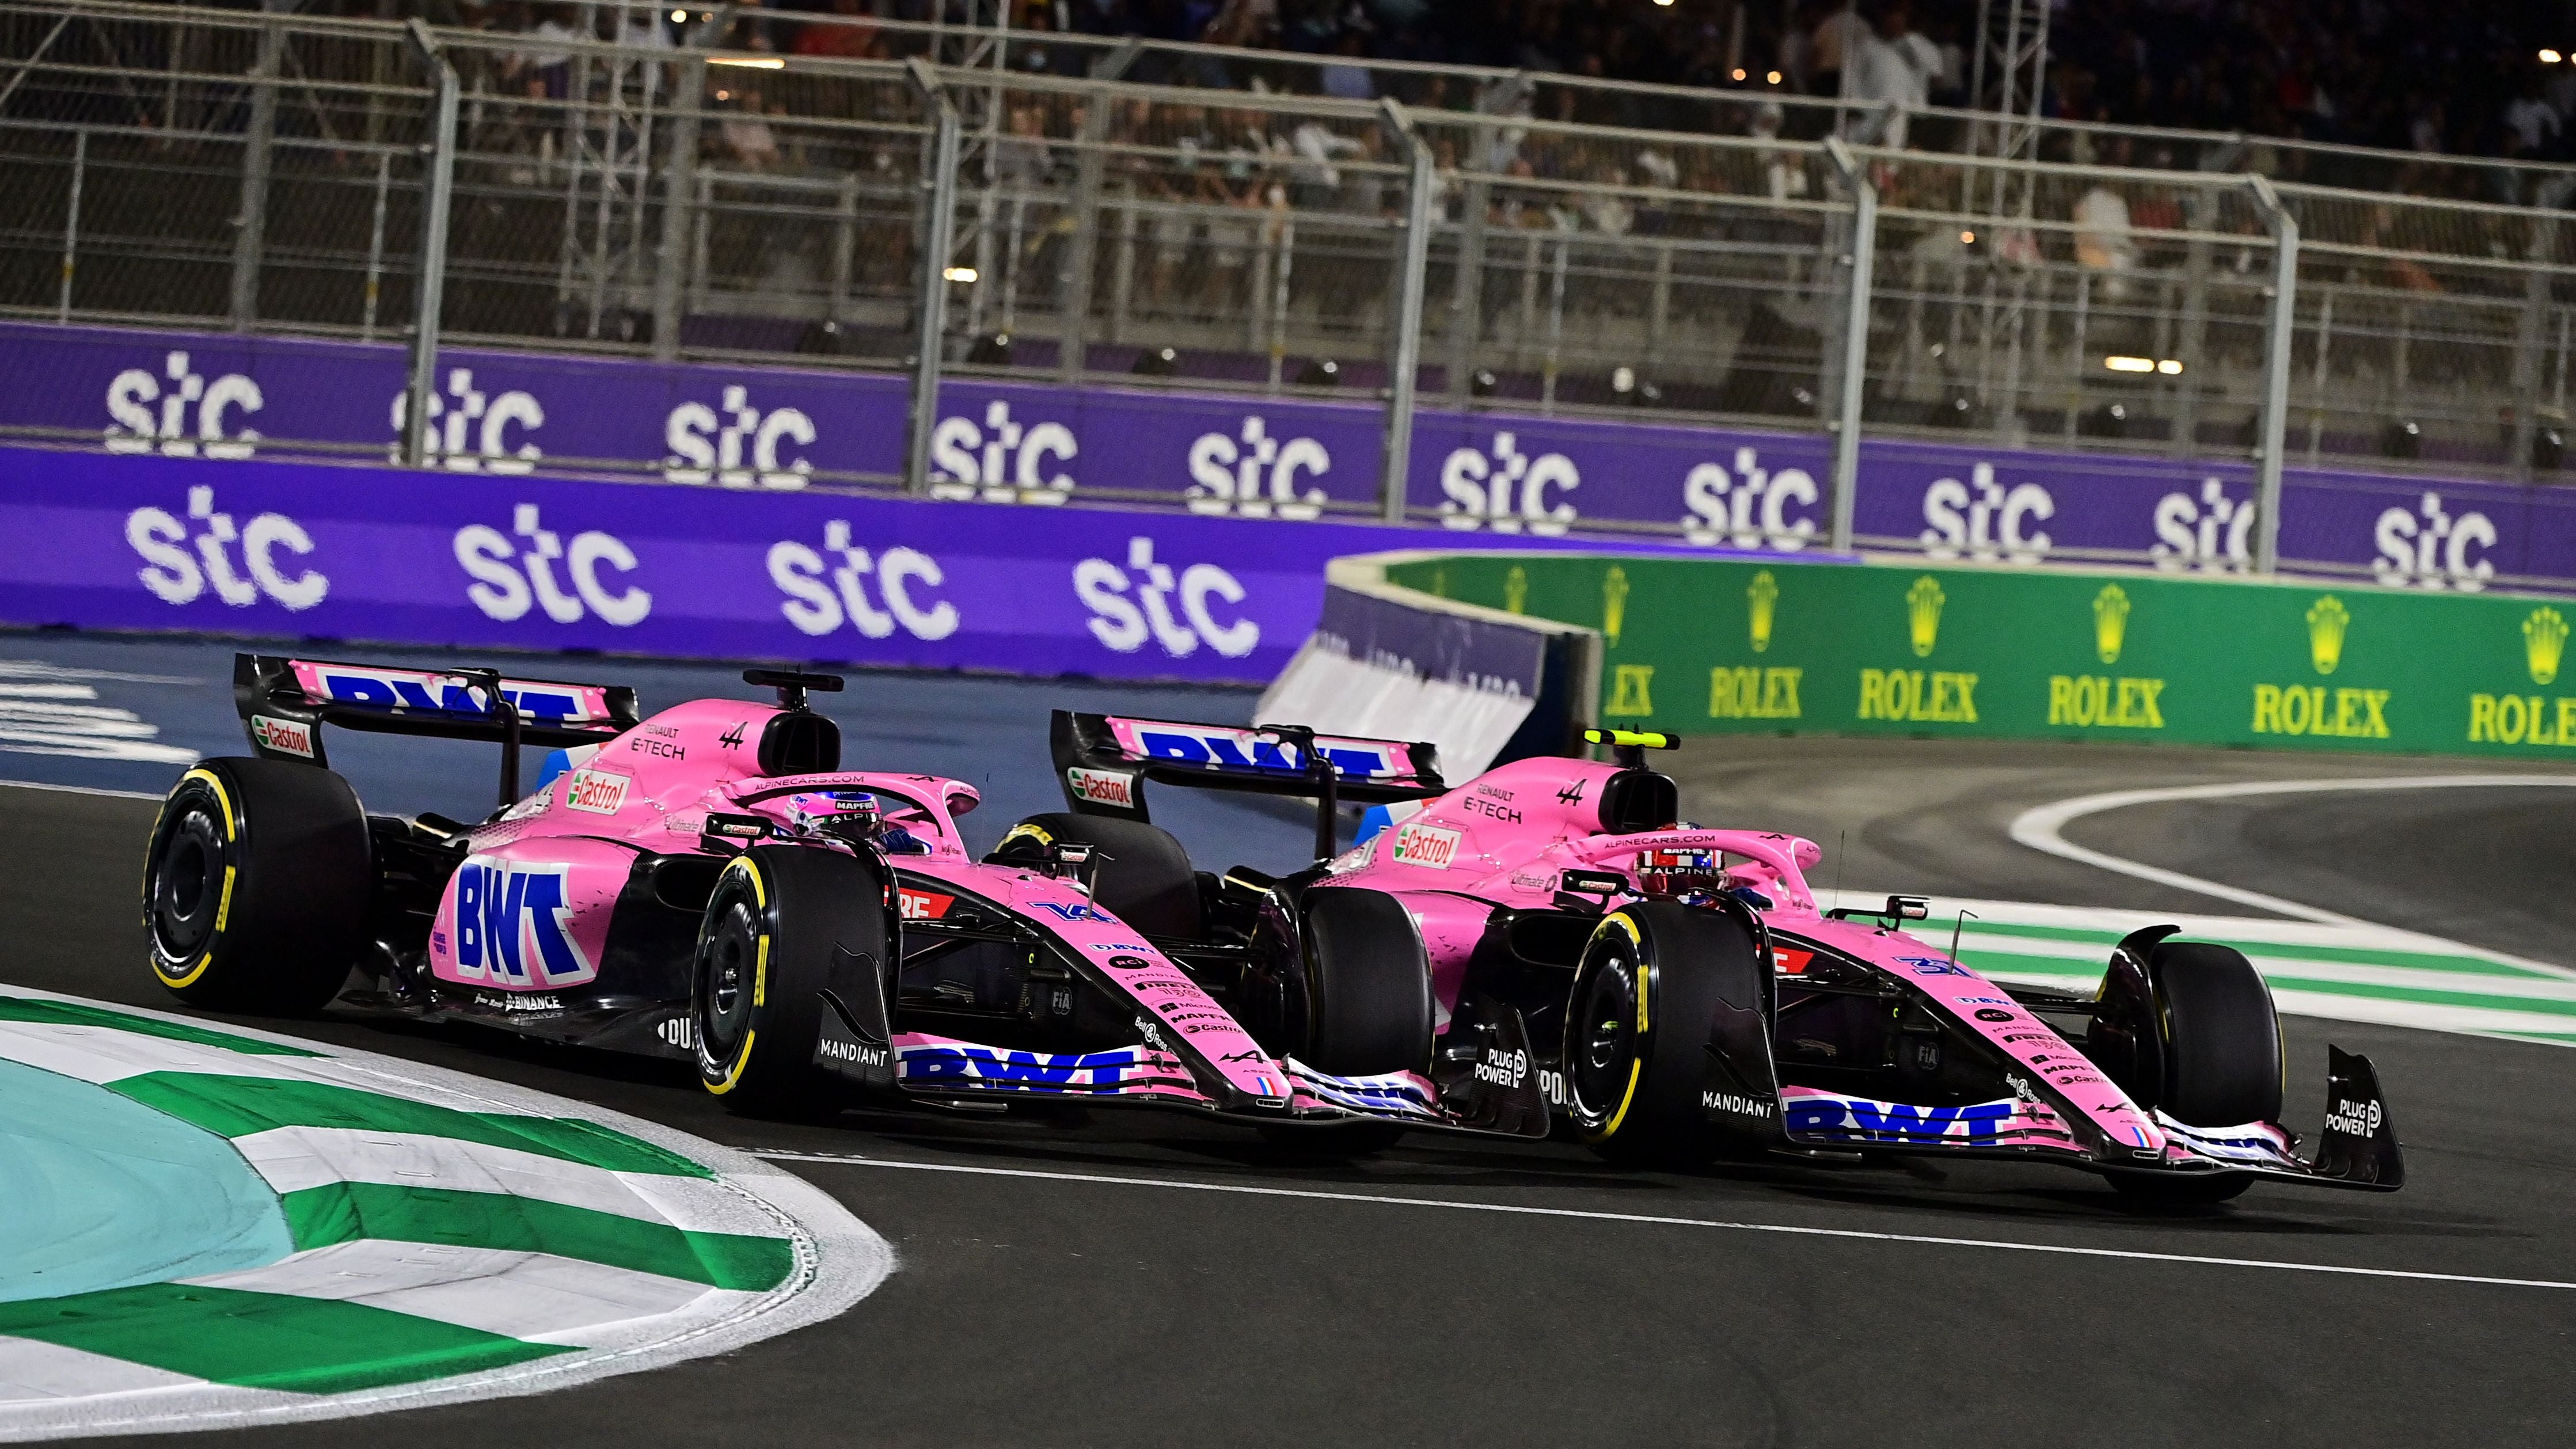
{"x": 1724, "y": 646}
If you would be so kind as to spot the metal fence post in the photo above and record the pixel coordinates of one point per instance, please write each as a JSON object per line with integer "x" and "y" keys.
{"x": 1410, "y": 285}
{"x": 938, "y": 235}
{"x": 250, "y": 227}
{"x": 1855, "y": 340}
{"x": 679, "y": 184}
{"x": 431, "y": 288}
{"x": 1073, "y": 312}
{"x": 2276, "y": 373}
{"x": 71, "y": 222}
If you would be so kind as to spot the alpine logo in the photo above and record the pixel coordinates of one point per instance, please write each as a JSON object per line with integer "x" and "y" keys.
{"x": 1426, "y": 845}
{"x": 731, "y": 739}
{"x": 596, "y": 791}
{"x": 2355, "y": 1119}
{"x": 1102, "y": 787}
{"x": 514, "y": 925}
{"x": 285, "y": 736}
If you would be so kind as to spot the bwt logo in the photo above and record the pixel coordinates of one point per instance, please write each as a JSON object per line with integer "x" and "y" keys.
{"x": 738, "y": 447}
{"x": 191, "y": 419}
{"x": 511, "y": 578}
{"x": 1749, "y": 509}
{"x": 1124, "y": 623}
{"x": 2209, "y": 534}
{"x": 817, "y": 607}
{"x": 513, "y": 924}
{"x": 1004, "y": 460}
{"x": 2430, "y": 548}
{"x": 1259, "y": 478}
{"x": 1506, "y": 490}
{"x": 452, "y": 417}
{"x": 179, "y": 576}
{"x": 1983, "y": 520}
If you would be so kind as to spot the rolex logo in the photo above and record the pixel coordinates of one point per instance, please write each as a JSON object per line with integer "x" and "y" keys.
{"x": 1923, "y": 613}
{"x": 2327, "y": 620}
{"x": 1764, "y": 595}
{"x": 2544, "y": 643}
{"x": 1614, "y": 601}
{"x": 1515, "y": 589}
{"x": 2110, "y": 621}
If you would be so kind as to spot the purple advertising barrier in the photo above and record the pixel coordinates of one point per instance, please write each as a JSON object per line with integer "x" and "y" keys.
{"x": 270, "y": 547}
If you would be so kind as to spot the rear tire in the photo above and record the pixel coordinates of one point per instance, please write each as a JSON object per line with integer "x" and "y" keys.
{"x": 256, "y": 886}
{"x": 766, "y": 944}
{"x": 1143, "y": 876}
{"x": 1636, "y": 1029}
{"x": 1368, "y": 985}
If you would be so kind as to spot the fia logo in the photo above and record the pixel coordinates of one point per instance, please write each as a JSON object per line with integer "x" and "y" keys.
{"x": 452, "y": 416}
{"x": 738, "y": 447}
{"x": 1983, "y": 520}
{"x": 2430, "y": 548}
{"x": 172, "y": 430}
{"x": 2209, "y": 534}
{"x": 1000, "y": 462}
{"x": 1259, "y": 478}
{"x": 1124, "y": 623}
{"x": 1749, "y": 509}
{"x": 817, "y": 607}
{"x": 509, "y": 578}
{"x": 1506, "y": 489}
{"x": 178, "y": 575}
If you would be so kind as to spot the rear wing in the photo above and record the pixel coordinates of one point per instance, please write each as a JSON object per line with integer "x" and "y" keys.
{"x": 284, "y": 702}
{"x": 1104, "y": 760}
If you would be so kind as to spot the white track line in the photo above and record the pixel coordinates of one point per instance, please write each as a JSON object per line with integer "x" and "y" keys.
{"x": 1786, "y": 1229}
{"x": 83, "y": 790}
{"x": 2039, "y": 828}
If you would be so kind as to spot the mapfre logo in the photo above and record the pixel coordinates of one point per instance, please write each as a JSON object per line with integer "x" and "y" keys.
{"x": 1134, "y": 604}
{"x": 181, "y": 413}
{"x": 738, "y": 446}
{"x": 1258, "y": 477}
{"x": 1102, "y": 787}
{"x": 1750, "y": 507}
{"x": 513, "y": 573}
{"x": 1426, "y": 845}
{"x": 1505, "y": 489}
{"x": 186, "y": 557}
{"x": 1001, "y": 461}
{"x": 470, "y": 432}
{"x": 820, "y": 603}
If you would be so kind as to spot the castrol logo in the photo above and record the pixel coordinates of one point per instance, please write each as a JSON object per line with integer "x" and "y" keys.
{"x": 1102, "y": 787}
{"x": 1426, "y": 845}
{"x": 596, "y": 791}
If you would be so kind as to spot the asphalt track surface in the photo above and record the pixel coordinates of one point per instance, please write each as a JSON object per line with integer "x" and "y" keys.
{"x": 1140, "y": 1278}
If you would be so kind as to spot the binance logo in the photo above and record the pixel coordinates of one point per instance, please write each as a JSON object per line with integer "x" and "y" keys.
{"x": 2327, "y": 621}
{"x": 1631, "y": 690}
{"x": 1763, "y": 595}
{"x": 1515, "y": 590}
{"x": 2544, "y": 643}
{"x": 1923, "y": 614}
{"x": 2110, "y": 621}
{"x": 1614, "y": 601}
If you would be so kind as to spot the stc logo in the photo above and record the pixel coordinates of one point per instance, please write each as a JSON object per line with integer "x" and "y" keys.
{"x": 738, "y": 447}
{"x": 1000, "y": 462}
{"x": 178, "y": 576}
{"x": 1506, "y": 490}
{"x": 451, "y": 417}
{"x": 2210, "y": 534}
{"x": 2430, "y": 548}
{"x": 1750, "y": 509}
{"x": 816, "y": 606}
{"x": 192, "y": 415}
{"x": 511, "y": 578}
{"x": 1995, "y": 523}
{"x": 1259, "y": 478}
{"x": 1124, "y": 622}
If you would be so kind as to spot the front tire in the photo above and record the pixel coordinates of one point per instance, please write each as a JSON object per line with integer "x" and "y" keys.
{"x": 2198, "y": 1040}
{"x": 256, "y": 886}
{"x": 1636, "y": 1029}
{"x": 778, "y": 918}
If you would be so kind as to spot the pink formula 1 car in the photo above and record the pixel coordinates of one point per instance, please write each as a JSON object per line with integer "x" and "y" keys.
{"x": 1673, "y": 993}
{"x": 708, "y": 883}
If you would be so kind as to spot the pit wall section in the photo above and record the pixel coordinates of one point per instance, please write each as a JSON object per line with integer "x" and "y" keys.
{"x": 1773, "y": 648}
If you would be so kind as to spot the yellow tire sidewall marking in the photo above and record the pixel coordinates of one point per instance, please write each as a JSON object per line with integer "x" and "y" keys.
{"x": 223, "y": 904}
{"x": 759, "y": 972}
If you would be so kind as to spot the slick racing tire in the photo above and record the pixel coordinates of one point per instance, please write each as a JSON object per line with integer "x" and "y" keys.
{"x": 1368, "y": 985}
{"x": 1142, "y": 875}
{"x": 1636, "y": 1029}
{"x": 256, "y": 886}
{"x": 2202, "y": 1044}
{"x": 778, "y": 917}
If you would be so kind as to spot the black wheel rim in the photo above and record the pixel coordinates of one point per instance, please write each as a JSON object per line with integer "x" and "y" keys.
{"x": 728, "y": 960}
{"x": 1603, "y": 1039}
{"x": 188, "y": 883}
